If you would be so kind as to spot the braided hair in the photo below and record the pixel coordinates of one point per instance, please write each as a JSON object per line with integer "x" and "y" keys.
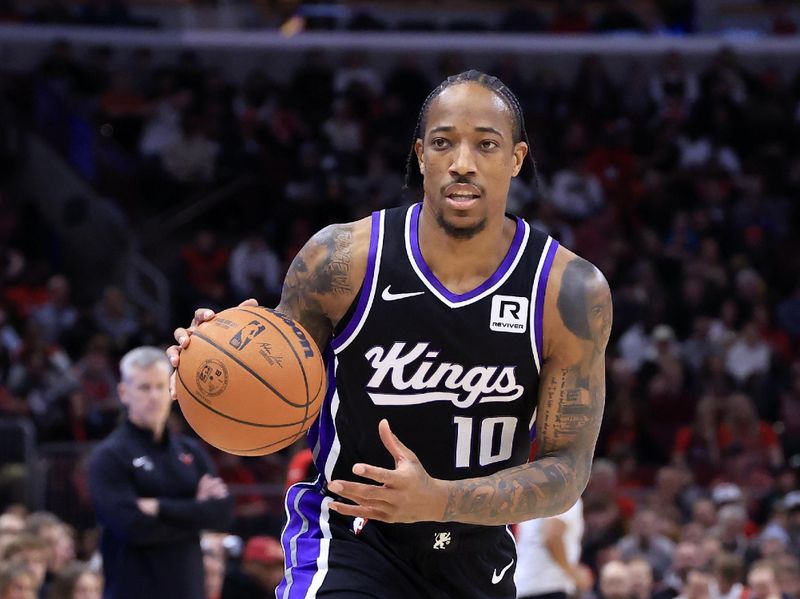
{"x": 488, "y": 81}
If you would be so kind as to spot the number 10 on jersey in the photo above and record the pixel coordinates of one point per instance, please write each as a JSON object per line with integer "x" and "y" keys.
{"x": 495, "y": 441}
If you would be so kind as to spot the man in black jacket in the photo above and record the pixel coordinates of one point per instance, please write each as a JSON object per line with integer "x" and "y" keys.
{"x": 154, "y": 491}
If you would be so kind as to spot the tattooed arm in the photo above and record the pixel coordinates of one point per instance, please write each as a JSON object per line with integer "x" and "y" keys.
{"x": 577, "y": 324}
{"x": 324, "y": 278}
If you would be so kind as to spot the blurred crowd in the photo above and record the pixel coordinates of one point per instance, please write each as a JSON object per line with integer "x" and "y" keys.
{"x": 774, "y": 17}
{"x": 95, "y": 13}
{"x": 679, "y": 184}
{"x": 42, "y": 557}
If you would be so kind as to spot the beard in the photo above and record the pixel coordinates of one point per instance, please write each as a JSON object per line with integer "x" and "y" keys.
{"x": 460, "y": 233}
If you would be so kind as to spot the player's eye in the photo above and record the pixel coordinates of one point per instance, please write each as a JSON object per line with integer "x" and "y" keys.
{"x": 488, "y": 144}
{"x": 439, "y": 143}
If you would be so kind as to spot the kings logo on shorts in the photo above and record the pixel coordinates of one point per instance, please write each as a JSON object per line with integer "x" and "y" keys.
{"x": 418, "y": 379}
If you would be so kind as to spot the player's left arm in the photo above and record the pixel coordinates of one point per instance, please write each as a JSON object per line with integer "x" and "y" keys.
{"x": 577, "y": 325}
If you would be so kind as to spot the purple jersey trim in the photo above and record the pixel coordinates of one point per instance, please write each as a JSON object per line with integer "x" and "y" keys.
{"x": 516, "y": 247}
{"x": 539, "y": 310}
{"x": 366, "y": 286}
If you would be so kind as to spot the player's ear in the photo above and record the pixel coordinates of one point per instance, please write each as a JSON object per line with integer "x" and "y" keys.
{"x": 420, "y": 152}
{"x": 520, "y": 151}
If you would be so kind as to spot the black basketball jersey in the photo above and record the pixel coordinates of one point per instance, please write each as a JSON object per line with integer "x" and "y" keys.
{"x": 456, "y": 375}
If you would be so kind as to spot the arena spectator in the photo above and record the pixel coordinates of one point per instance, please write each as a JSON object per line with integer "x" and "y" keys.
{"x": 191, "y": 157}
{"x": 260, "y": 572}
{"x": 641, "y": 576}
{"x": 17, "y": 582}
{"x": 60, "y": 543}
{"x": 615, "y": 581}
{"x": 686, "y": 557}
{"x": 743, "y": 432}
{"x": 114, "y": 316}
{"x": 56, "y": 315}
{"x": 30, "y": 552}
{"x": 204, "y": 264}
{"x": 255, "y": 270}
{"x": 697, "y": 586}
{"x": 749, "y": 355}
{"x": 646, "y": 540}
{"x": 77, "y": 581}
{"x": 761, "y": 581}
{"x": 730, "y": 529}
{"x": 697, "y": 445}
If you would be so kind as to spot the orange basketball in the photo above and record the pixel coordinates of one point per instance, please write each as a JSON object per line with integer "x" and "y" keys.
{"x": 251, "y": 381}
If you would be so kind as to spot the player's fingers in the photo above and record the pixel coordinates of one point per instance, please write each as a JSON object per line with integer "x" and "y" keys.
{"x": 381, "y": 475}
{"x": 172, "y": 389}
{"x": 181, "y": 338}
{"x": 174, "y": 355}
{"x": 202, "y": 315}
{"x": 392, "y": 443}
{"x": 249, "y": 302}
{"x": 356, "y": 491}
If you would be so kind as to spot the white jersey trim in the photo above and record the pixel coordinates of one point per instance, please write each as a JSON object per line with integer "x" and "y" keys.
{"x": 534, "y": 292}
{"x": 336, "y": 445}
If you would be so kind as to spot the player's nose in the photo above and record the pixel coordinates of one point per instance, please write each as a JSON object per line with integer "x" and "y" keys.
{"x": 463, "y": 161}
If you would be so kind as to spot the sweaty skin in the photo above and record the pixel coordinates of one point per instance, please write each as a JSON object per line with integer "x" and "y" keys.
{"x": 468, "y": 138}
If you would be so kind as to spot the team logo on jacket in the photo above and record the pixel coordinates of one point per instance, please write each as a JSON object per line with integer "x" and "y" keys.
{"x": 246, "y": 334}
{"x": 509, "y": 314}
{"x": 416, "y": 377}
{"x": 143, "y": 462}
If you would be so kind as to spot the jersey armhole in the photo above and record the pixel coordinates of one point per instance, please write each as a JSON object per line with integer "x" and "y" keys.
{"x": 537, "y": 300}
{"x": 347, "y": 329}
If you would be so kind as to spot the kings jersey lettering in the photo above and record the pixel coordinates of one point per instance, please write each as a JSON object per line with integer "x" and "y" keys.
{"x": 414, "y": 376}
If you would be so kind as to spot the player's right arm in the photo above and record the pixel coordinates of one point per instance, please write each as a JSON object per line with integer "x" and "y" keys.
{"x": 325, "y": 277}
{"x": 319, "y": 287}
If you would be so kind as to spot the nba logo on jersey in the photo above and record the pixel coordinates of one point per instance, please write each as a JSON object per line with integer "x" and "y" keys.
{"x": 509, "y": 314}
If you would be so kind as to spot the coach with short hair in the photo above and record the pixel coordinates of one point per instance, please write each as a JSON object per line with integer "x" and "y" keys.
{"x": 154, "y": 491}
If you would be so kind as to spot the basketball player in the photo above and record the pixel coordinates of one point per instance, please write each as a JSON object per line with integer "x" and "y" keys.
{"x": 452, "y": 330}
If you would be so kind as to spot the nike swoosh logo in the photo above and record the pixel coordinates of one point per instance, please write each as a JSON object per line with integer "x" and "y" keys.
{"x": 498, "y": 577}
{"x": 388, "y": 296}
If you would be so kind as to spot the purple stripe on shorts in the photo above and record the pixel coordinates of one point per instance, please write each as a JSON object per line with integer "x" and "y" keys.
{"x": 301, "y": 540}
{"x": 366, "y": 287}
{"x": 543, "y": 276}
{"x": 515, "y": 248}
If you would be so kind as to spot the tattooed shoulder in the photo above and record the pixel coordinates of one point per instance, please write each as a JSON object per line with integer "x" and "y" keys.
{"x": 584, "y": 301}
{"x": 324, "y": 277}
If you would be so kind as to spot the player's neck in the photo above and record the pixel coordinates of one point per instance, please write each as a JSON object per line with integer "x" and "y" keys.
{"x": 463, "y": 264}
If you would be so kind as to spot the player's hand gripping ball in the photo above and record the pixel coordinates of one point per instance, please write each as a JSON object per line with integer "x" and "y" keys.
{"x": 251, "y": 382}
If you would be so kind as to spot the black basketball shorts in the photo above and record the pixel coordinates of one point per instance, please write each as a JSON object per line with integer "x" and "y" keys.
{"x": 331, "y": 556}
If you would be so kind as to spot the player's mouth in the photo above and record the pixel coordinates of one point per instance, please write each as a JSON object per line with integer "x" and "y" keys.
{"x": 462, "y": 196}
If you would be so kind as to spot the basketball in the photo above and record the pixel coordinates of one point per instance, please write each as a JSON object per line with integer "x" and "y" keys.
{"x": 251, "y": 381}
